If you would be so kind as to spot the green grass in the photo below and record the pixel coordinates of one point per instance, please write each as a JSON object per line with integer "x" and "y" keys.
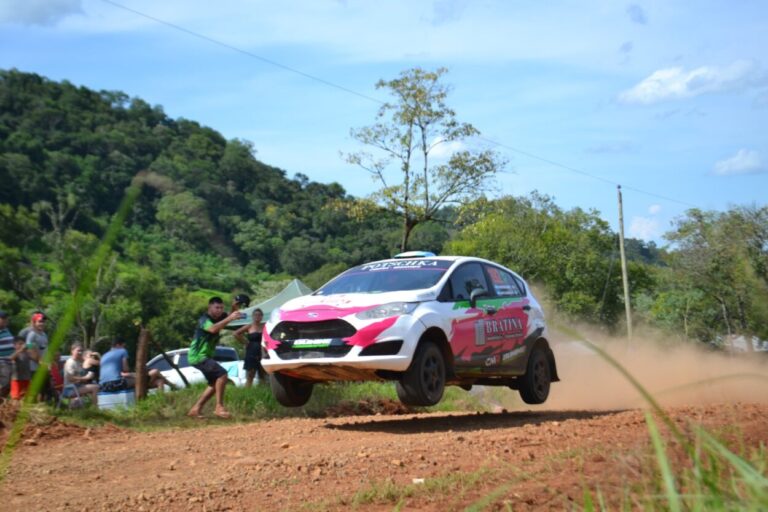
{"x": 456, "y": 485}
{"x": 168, "y": 410}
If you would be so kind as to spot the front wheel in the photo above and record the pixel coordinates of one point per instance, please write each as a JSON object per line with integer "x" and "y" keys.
{"x": 290, "y": 391}
{"x": 423, "y": 382}
{"x": 534, "y": 385}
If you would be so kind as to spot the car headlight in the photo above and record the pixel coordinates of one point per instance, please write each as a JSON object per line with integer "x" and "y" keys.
{"x": 387, "y": 310}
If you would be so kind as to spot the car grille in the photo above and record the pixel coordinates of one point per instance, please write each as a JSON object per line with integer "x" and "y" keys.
{"x": 326, "y": 329}
{"x": 286, "y": 351}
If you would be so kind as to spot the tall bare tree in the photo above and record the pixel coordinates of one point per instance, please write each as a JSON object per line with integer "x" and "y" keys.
{"x": 407, "y": 134}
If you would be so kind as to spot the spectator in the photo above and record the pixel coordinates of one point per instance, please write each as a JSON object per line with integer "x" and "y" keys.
{"x": 22, "y": 373}
{"x": 115, "y": 375}
{"x": 201, "y": 352}
{"x": 6, "y": 351}
{"x": 75, "y": 374}
{"x": 252, "y": 339}
{"x": 91, "y": 363}
{"x": 37, "y": 338}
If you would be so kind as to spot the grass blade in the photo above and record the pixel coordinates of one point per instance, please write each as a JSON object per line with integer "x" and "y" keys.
{"x": 673, "y": 498}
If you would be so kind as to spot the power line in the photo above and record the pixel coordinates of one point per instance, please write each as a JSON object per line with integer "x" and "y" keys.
{"x": 584, "y": 173}
{"x": 244, "y": 52}
{"x": 378, "y": 101}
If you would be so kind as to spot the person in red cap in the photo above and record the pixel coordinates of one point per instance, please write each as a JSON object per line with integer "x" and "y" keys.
{"x": 37, "y": 345}
{"x": 37, "y": 338}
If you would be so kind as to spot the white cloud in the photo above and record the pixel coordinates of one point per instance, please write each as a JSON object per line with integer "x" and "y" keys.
{"x": 745, "y": 161}
{"x": 677, "y": 83}
{"x": 443, "y": 150}
{"x": 654, "y": 209}
{"x": 38, "y": 12}
{"x": 637, "y": 14}
{"x": 644, "y": 228}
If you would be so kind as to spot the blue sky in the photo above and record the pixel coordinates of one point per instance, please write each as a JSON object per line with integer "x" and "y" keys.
{"x": 668, "y": 98}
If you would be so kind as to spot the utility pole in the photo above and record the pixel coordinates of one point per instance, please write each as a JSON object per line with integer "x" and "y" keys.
{"x": 624, "y": 278}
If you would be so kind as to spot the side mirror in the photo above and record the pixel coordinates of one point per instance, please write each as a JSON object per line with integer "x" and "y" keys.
{"x": 477, "y": 292}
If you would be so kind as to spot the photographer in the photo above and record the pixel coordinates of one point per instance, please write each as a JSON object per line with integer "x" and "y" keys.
{"x": 201, "y": 352}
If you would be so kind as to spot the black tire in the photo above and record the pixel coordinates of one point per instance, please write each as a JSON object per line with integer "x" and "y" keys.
{"x": 289, "y": 391}
{"x": 534, "y": 385}
{"x": 423, "y": 382}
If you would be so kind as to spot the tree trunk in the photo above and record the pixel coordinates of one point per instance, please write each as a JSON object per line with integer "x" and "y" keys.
{"x": 408, "y": 225}
{"x": 141, "y": 363}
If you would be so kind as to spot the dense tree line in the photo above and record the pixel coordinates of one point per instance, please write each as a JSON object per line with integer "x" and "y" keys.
{"x": 212, "y": 218}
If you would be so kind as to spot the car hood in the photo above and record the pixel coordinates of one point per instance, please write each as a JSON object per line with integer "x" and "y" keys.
{"x": 322, "y": 307}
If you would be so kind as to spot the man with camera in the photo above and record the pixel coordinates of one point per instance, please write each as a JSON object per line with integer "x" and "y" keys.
{"x": 203, "y": 347}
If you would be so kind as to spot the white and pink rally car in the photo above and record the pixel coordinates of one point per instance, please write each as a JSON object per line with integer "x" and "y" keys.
{"x": 421, "y": 320}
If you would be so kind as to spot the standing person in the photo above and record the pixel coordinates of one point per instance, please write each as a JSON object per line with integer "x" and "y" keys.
{"x": 6, "y": 351}
{"x": 21, "y": 369}
{"x": 37, "y": 344}
{"x": 252, "y": 339}
{"x": 37, "y": 338}
{"x": 115, "y": 374}
{"x": 79, "y": 377}
{"x": 201, "y": 352}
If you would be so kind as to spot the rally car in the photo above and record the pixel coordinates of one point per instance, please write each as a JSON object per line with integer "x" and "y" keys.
{"x": 421, "y": 320}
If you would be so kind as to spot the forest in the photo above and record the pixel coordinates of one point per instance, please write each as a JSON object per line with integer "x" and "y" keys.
{"x": 211, "y": 218}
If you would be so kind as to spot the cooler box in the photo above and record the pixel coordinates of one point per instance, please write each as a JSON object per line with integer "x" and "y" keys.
{"x": 112, "y": 399}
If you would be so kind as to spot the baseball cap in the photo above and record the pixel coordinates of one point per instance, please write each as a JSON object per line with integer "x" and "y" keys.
{"x": 36, "y": 317}
{"x": 3, "y": 314}
{"x": 242, "y": 299}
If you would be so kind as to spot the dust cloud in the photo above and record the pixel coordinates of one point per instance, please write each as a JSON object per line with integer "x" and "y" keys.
{"x": 674, "y": 373}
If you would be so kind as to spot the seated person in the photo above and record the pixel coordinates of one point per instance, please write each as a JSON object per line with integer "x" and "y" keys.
{"x": 91, "y": 364}
{"x": 75, "y": 374}
{"x": 115, "y": 374}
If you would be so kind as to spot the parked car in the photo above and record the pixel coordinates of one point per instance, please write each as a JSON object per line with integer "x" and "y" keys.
{"x": 420, "y": 320}
{"x": 226, "y": 356}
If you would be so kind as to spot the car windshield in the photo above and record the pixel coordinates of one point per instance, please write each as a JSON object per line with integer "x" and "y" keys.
{"x": 388, "y": 276}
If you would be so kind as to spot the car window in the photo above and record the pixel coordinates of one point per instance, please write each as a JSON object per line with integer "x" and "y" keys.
{"x": 225, "y": 355}
{"x": 388, "y": 276}
{"x": 159, "y": 364}
{"x": 183, "y": 362}
{"x": 465, "y": 279}
{"x": 503, "y": 283}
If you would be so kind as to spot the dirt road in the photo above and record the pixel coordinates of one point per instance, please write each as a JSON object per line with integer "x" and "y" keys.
{"x": 507, "y": 460}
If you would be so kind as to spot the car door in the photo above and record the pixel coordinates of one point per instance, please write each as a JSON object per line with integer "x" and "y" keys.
{"x": 510, "y": 322}
{"x": 473, "y": 353}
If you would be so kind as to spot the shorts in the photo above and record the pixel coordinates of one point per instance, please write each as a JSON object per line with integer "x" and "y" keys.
{"x": 211, "y": 370}
{"x": 116, "y": 385}
{"x": 252, "y": 356}
{"x": 19, "y": 389}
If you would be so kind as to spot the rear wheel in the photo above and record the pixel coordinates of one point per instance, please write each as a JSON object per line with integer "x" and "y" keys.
{"x": 423, "y": 382}
{"x": 534, "y": 385}
{"x": 290, "y": 391}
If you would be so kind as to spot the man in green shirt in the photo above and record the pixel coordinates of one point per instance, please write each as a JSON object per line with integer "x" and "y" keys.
{"x": 201, "y": 353}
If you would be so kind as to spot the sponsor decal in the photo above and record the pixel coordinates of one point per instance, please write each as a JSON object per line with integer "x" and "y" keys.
{"x": 403, "y": 264}
{"x": 319, "y": 343}
{"x": 496, "y": 329}
{"x": 479, "y": 332}
{"x": 513, "y": 354}
{"x": 491, "y": 360}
